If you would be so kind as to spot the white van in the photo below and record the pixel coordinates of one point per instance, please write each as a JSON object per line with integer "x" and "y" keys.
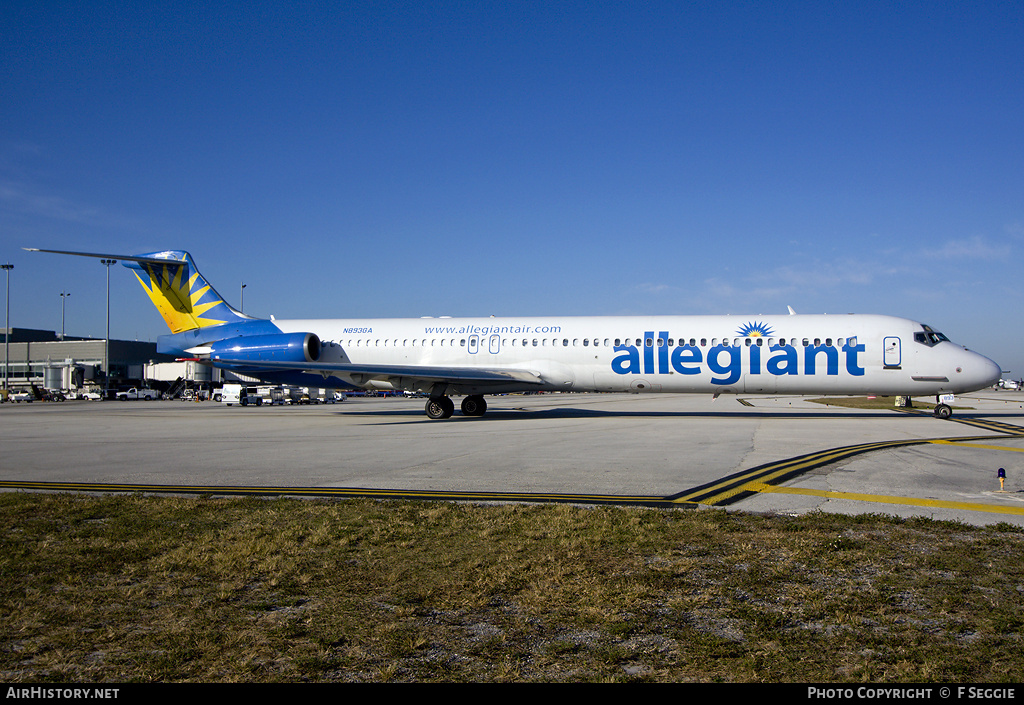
{"x": 241, "y": 395}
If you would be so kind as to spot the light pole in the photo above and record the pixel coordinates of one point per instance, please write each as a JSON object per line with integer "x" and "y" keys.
{"x": 7, "y": 329}
{"x": 106, "y": 340}
{"x": 63, "y": 297}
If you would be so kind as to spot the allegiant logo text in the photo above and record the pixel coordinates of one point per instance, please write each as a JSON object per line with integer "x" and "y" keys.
{"x": 726, "y": 361}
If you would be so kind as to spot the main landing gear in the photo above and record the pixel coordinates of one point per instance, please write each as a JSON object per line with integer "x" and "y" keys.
{"x": 474, "y": 405}
{"x": 444, "y": 407}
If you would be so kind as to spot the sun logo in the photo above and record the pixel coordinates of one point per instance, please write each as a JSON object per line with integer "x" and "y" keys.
{"x": 755, "y": 330}
{"x": 179, "y": 301}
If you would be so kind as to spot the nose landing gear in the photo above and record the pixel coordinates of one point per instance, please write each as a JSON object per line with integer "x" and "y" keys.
{"x": 942, "y": 410}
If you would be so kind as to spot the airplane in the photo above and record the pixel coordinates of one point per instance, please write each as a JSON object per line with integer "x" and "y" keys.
{"x": 825, "y": 354}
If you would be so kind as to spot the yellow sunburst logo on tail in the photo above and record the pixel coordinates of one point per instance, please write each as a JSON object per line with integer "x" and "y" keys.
{"x": 177, "y": 302}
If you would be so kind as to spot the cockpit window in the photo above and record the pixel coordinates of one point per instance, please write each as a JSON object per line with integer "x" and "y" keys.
{"x": 929, "y": 336}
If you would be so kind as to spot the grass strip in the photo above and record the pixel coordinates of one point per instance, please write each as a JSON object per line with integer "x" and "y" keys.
{"x": 128, "y": 588}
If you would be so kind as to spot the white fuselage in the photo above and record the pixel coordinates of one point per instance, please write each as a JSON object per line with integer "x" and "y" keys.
{"x": 796, "y": 354}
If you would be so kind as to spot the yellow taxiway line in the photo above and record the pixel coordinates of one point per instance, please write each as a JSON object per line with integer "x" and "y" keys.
{"x": 888, "y": 499}
{"x": 969, "y": 444}
{"x": 336, "y": 492}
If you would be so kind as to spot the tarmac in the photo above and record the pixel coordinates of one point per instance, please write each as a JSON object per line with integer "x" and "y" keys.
{"x": 758, "y": 454}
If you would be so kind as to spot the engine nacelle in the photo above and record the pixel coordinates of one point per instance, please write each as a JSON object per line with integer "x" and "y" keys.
{"x": 278, "y": 347}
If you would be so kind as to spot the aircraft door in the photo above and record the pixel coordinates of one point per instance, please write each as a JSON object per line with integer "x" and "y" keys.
{"x": 494, "y": 344}
{"x": 892, "y": 355}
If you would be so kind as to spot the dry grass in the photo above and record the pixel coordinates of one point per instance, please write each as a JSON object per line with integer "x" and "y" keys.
{"x": 128, "y": 588}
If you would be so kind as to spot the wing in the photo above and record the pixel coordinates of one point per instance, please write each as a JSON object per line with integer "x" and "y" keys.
{"x": 400, "y": 376}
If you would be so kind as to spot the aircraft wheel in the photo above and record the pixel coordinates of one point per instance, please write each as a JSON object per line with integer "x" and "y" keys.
{"x": 440, "y": 408}
{"x": 943, "y": 411}
{"x": 474, "y": 405}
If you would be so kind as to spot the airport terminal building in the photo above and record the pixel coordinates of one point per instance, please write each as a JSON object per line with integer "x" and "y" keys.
{"x": 40, "y": 358}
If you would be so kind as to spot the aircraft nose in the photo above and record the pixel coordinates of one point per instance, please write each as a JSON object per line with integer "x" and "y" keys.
{"x": 985, "y": 371}
{"x": 994, "y": 372}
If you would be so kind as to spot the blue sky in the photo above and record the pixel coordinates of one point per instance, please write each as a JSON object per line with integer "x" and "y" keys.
{"x": 364, "y": 159}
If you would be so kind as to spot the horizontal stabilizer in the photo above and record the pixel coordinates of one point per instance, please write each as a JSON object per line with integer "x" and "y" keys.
{"x": 167, "y": 261}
